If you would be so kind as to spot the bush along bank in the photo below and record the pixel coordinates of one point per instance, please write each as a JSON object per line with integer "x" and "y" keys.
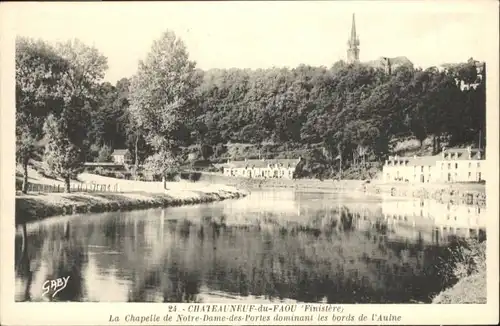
{"x": 465, "y": 273}
{"x": 36, "y": 207}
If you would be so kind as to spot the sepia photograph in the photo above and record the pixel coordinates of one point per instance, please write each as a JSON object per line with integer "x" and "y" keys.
{"x": 249, "y": 153}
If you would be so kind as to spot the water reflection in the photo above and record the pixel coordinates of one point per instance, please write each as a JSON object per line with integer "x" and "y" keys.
{"x": 307, "y": 247}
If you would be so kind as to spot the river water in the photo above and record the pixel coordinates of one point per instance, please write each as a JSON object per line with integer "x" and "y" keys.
{"x": 280, "y": 246}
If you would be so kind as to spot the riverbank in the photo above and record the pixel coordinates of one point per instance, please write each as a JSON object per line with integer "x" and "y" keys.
{"x": 467, "y": 193}
{"x": 473, "y": 194}
{"x": 37, "y": 206}
{"x": 468, "y": 265}
{"x": 251, "y": 184}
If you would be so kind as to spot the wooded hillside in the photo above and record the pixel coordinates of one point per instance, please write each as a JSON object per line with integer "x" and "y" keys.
{"x": 344, "y": 113}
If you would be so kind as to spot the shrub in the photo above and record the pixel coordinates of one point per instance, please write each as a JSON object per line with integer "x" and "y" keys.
{"x": 191, "y": 176}
{"x": 105, "y": 154}
{"x": 172, "y": 176}
{"x": 99, "y": 170}
{"x": 464, "y": 258}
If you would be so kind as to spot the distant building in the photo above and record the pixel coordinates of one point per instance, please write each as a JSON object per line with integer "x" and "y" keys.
{"x": 121, "y": 156}
{"x": 265, "y": 169}
{"x": 452, "y": 165}
{"x": 390, "y": 64}
{"x": 385, "y": 63}
{"x": 470, "y": 84}
{"x": 353, "y": 44}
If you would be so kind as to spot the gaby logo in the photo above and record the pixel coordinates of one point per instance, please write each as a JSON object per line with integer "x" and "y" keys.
{"x": 56, "y": 285}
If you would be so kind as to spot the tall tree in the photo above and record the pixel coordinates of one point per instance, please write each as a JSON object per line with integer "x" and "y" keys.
{"x": 162, "y": 96}
{"x": 66, "y": 130}
{"x": 39, "y": 74}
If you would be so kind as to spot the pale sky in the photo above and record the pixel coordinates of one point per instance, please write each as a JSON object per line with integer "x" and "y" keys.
{"x": 265, "y": 34}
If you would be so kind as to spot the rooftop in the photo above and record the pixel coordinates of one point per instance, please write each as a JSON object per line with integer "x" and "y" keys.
{"x": 417, "y": 160}
{"x": 462, "y": 150}
{"x": 262, "y": 163}
{"x": 120, "y": 152}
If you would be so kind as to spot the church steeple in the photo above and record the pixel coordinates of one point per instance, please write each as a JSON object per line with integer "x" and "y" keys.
{"x": 353, "y": 43}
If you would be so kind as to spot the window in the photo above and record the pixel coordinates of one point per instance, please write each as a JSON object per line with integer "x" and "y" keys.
{"x": 449, "y": 166}
{"x": 478, "y": 164}
{"x": 456, "y": 165}
{"x": 470, "y": 174}
{"x": 421, "y": 169}
{"x": 470, "y": 165}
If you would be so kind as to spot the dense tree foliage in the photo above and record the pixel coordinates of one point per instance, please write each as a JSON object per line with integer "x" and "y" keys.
{"x": 351, "y": 105}
{"x": 163, "y": 101}
{"x": 345, "y": 115}
{"x": 56, "y": 89}
{"x": 39, "y": 75}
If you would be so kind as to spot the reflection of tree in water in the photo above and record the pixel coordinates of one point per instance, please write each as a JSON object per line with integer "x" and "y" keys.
{"x": 173, "y": 282}
{"x": 66, "y": 255}
{"x": 28, "y": 259}
{"x": 321, "y": 255}
{"x": 313, "y": 262}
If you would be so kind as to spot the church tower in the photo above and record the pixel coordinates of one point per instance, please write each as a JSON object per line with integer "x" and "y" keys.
{"x": 353, "y": 43}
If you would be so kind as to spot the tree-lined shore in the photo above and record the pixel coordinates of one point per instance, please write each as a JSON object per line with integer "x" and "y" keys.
{"x": 345, "y": 115}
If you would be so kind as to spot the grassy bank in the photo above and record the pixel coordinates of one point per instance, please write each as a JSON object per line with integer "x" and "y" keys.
{"x": 467, "y": 267}
{"x": 39, "y": 206}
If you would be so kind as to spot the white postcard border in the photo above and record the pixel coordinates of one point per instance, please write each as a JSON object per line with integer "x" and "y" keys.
{"x": 98, "y": 313}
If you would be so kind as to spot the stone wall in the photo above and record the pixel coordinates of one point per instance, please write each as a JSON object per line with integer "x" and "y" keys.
{"x": 473, "y": 194}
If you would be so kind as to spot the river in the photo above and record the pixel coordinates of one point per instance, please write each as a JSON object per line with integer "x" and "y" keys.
{"x": 279, "y": 246}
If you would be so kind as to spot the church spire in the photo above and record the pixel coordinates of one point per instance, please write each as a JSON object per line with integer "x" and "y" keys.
{"x": 353, "y": 43}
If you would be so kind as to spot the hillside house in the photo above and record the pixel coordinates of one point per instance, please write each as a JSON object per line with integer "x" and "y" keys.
{"x": 452, "y": 165}
{"x": 460, "y": 165}
{"x": 120, "y": 156}
{"x": 265, "y": 169}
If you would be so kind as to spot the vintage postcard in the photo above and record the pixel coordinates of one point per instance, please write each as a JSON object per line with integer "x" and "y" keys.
{"x": 241, "y": 163}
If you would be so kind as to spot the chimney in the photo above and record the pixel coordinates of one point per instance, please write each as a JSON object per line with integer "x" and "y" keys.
{"x": 469, "y": 151}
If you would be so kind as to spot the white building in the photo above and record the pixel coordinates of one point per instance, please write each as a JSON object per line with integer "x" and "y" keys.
{"x": 120, "y": 156}
{"x": 452, "y": 165}
{"x": 277, "y": 168}
{"x": 460, "y": 165}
